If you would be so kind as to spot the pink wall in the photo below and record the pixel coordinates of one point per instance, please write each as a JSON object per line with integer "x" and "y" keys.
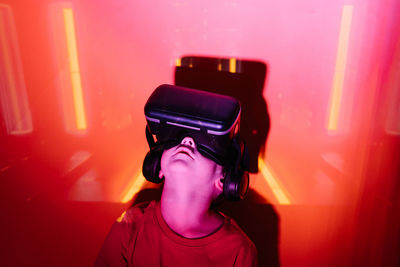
{"x": 341, "y": 185}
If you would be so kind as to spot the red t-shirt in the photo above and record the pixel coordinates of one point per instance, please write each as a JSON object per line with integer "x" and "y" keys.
{"x": 142, "y": 238}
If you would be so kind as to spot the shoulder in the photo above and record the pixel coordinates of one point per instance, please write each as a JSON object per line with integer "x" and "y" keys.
{"x": 119, "y": 242}
{"x": 246, "y": 250}
{"x": 136, "y": 212}
{"x": 234, "y": 229}
{"x": 127, "y": 225}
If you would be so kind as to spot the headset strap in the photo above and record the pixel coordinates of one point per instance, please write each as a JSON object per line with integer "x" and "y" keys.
{"x": 149, "y": 137}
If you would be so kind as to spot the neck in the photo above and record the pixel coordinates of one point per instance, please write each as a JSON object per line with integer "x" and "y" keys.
{"x": 188, "y": 213}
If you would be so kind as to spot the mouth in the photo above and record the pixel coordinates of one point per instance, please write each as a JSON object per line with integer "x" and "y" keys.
{"x": 182, "y": 149}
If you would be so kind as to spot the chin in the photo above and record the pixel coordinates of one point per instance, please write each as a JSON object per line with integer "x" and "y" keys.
{"x": 180, "y": 169}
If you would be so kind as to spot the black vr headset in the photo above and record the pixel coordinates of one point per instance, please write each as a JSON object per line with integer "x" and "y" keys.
{"x": 212, "y": 120}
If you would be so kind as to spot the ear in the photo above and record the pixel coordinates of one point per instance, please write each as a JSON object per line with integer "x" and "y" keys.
{"x": 219, "y": 184}
{"x": 160, "y": 174}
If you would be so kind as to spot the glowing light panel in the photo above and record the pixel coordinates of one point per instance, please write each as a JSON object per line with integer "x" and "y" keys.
{"x": 134, "y": 188}
{"x": 232, "y": 65}
{"x": 341, "y": 58}
{"x": 277, "y": 190}
{"x": 79, "y": 107}
{"x": 14, "y": 100}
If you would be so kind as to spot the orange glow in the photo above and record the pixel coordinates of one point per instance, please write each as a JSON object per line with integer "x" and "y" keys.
{"x": 232, "y": 65}
{"x": 74, "y": 69}
{"x": 272, "y": 182}
{"x": 17, "y": 116}
{"x": 219, "y": 65}
{"x": 132, "y": 189}
{"x": 341, "y": 58}
{"x": 178, "y": 62}
{"x": 119, "y": 219}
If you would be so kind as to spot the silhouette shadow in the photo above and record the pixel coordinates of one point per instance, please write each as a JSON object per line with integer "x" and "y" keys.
{"x": 242, "y": 79}
{"x": 260, "y": 222}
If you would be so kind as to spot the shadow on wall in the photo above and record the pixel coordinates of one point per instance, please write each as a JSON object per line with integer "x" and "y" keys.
{"x": 242, "y": 79}
{"x": 260, "y": 222}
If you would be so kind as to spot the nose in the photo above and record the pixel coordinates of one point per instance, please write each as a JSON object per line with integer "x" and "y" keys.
{"x": 188, "y": 141}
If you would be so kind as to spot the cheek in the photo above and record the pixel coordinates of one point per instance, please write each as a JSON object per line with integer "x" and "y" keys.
{"x": 164, "y": 160}
{"x": 210, "y": 168}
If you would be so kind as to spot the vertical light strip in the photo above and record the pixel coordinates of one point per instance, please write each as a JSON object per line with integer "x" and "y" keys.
{"x": 273, "y": 184}
{"x": 134, "y": 188}
{"x": 14, "y": 101}
{"x": 9, "y": 73}
{"x": 77, "y": 93}
{"x": 341, "y": 58}
{"x": 392, "y": 124}
{"x": 232, "y": 65}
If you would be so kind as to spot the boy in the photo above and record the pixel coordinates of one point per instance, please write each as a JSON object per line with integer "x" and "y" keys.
{"x": 181, "y": 229}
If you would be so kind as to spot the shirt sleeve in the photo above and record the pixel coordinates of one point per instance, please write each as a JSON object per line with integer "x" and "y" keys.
{"x": 247, "y": 257}
{"x": 114, "y": 252}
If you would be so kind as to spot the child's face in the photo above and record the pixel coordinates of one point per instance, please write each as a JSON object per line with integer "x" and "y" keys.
{"x": 184, "y": 164}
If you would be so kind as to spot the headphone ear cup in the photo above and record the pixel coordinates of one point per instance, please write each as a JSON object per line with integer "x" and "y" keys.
{"x": 230, "y": 186}
{"x": 151, "y": 166}
{"x": 236, "y": 182}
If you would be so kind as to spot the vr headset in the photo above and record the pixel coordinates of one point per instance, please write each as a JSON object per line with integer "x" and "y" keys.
{"x": 212, "y": 120}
